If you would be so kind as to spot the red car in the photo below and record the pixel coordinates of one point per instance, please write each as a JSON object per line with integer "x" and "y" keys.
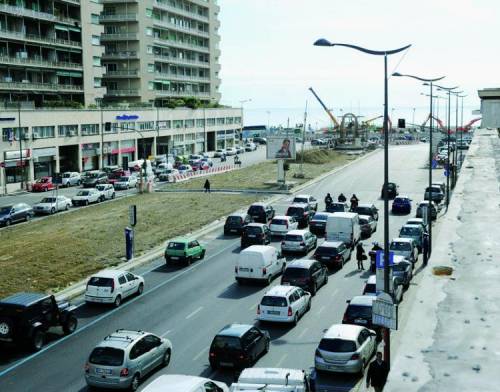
{"x": 115, "y": 175}
{"x": 44, "y": 184}
{"x": 200, "y": 166}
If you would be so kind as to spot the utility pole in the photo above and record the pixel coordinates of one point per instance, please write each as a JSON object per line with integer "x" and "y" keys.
{"x": 303, "y": 142}
{"x": 102, "y": 135}
{"x": 23, "y": 172}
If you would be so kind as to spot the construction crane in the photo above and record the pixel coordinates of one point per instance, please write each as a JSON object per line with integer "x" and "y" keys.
{"x": 332, "y": 117}
{"x": 468, "y": 126}
{"x": 440, "y": 123}
{"x": 367, "y": 122}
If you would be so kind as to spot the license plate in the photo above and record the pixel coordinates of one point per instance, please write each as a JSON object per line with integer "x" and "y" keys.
{"x": 175, "y": 258}
{"x": 243, "y": 269}
{"x": 360, "y": 321}
{"x": 227, "y": 364}
{"x": 233, "y": 230}
{"x": 273, "y": 312}
{"x": 103, "y": 371}
{"x": 251, "y": 235}
{"x": 325, "y": 258}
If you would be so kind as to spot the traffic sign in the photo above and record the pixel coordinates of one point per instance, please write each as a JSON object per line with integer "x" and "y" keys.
{"x": 446, "y": 173}
{"x": 385, "y": 312}
{"x": 379, "y": 260}
{"x": 434, "y": 163}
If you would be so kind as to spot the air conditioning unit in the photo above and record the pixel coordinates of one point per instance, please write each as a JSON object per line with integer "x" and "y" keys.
{"x": 35, "y": 135}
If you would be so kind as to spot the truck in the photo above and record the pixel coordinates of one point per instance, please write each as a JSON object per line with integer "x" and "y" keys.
{"x": 272, "y": 379}
{"x": 344, "y": 227}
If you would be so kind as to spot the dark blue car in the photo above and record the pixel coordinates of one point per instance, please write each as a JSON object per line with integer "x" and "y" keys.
{"x": 401, "y": 205}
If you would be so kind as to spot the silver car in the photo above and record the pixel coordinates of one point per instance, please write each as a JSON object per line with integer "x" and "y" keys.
{"x": 405, "y": 247}
{"x": 71, "y": 178}
{"x": 301, "y": 241}
{"x": 123, "y": 358}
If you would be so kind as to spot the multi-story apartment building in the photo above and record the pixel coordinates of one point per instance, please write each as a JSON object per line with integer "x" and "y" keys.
{"x": 50, "y": 50}
{"x": 156, "y": 50}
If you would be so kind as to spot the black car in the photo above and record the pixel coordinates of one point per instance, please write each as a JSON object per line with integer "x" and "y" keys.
{"x": 302, "y": 213}
{"x": 337, "y": 207}
{"x": 261, "y": 213}
{"x": 333, "y": 254}
{"x": 260, "y": 140}
{"x": 359, "y": 312}
{"x": 255, "y": 234}
{"x": 392, "y": 190}
{"x": 94, "y": 178}
{"x": 317, "y": 224}
{"x": 367, "y": 209}
{"x": 309, "y": 275}
{"x": 236, "y": 222}
{"x": 15, "y": 213}
{"x": 238, "y": 346}
{"x": 25, "y": 318}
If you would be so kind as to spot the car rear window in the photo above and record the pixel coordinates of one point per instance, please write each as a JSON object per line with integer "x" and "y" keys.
{"x": 364, "y": 210}
{"x": 107, "y": 356}
{"x": 363, "y": 221}
{"x": 227, "y": 342}
{"x": 176, "y": 245}
{"x": 400, "y": 267}
{"x": 234, "y": 219}
{"x": 337, "y": 345}
{"x": 48, "y": 200}
{"x": 83, "y": 193}
{"x": 359, "y": 311}
{"x": 253, "y": 230}
{"x": 293, "y": 237}
{"x": 255, "y": 210}
{"x": 405, "y": 246}
{"x": 370, "y": 288}
{"x": 336, "y": 207}
{"x": 320, "y": 217}
{"x": 100, "y": 282}
{"x": 294, "y": 211}
{"x": 326, "y": 251}
{"x": 410, "y": 231}
{"x": 273, "y": 301}
{"x": 283, "y": 222}
{"x": 300, "y": 200}
{"x": 291, "y": 272}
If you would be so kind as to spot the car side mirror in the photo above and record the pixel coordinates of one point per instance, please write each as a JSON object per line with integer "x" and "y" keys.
{"x": 348, "y": 301}
{"x": 13, "y": 210}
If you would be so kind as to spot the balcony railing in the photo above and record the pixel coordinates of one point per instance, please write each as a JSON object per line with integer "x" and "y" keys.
{"x": 21, "y": 11}
{"x": 35, "y": 38}
{"x": 120, "y": 55}
{"x": 182, "y": 45}
{"x": 119, "y": 36}
{"x": 39, "y": 63}
{"x": 40, "y": 86}
{"x": 193, "y": 78}
{"x": 118, "y": 18}
{"x": 169, "y": 93}
{"x": 123, "y": 92}
{"x": 178, "y": 11}
{"x": 175, "y": 60}
{"x": 124, "y": 73}
{"x": 173, "y": 26}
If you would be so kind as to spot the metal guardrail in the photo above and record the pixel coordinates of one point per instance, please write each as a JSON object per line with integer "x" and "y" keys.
{"x": 122, "y": 92}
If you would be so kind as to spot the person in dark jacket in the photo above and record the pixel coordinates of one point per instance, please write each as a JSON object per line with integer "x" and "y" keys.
{"x": 207, "y": 186}
{"x": 377, "y": 374}
{"x": 425, "y": 248}
{"x": 354, "y": 202}
{"x": 373, "y": 256}
{"x": 342, "y": 198}
{"x": 360, "y": 255}
{"x": 328, "y": 200}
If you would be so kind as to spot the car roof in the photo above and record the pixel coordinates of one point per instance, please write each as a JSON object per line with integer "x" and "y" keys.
{"x": 367, "y": 217}
{"x": 108, "y": 273}
{"x": 23, "y": 299}
{"x": 282, "y": 217}
{"x": 399, "y": 258}
{"x": 302, "y": 196}
{"x": 366, "y": 205}
{"x": 330, "y": 244}
{"x": 297, "y": 232}
{"x": 412, "y": 226}
{"x": 235, "y": 330}
{"x": 372, "y": 279}
{"x": 258, "y": 205}
{"x": 300, "y": 263}
{"x": 362, "y": 300}
{"x": 400, "y": 239}
{"x": 174, "y": 383}
{"x": 419, "y": 220}
{"x": 254, "y": 224}
{"x": 343, "y": 331}
{"x": 280, "y": 291}
{"x": 183, "y": 239}
{"x": 402, "y": 197}
{"x": 238, "y": 214}
{"x": 121, "y": 338}
{"x": 298, "y": 205}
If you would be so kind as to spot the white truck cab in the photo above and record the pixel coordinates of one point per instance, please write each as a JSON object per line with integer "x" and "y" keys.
{"x": 272, "y": 379}
{"x": 344, "y": 227}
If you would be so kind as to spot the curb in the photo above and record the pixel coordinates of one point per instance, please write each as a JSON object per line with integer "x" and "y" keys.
{"x": 78, "y": 289}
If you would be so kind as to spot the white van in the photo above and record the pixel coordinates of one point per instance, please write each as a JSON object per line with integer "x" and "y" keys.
{"x": 274, "y": 379}
{"x": 344, "y": 227}
{"x": 260, "y": 263}
{"x": 182, "y": 383}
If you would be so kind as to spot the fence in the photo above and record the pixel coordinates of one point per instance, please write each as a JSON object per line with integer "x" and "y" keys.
{"x": 201, "y": 173}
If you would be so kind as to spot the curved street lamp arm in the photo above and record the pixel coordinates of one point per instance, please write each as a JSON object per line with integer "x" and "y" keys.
{"x": 374, "y": 52}
{"x": 418, "y": 78}
{"x": 447, "y": 88}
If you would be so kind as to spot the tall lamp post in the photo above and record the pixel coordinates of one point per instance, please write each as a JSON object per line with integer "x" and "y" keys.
{"x": 385, "y": 53}
{"x": 430, "y": 83}
{"x": 448, "y": 90}
{"x": 241, "y": 106}
{"x": 455, "y": 150}
{"x": 462, "y": 126}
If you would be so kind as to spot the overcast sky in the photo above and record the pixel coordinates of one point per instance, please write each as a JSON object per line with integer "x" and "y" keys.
{"x": 268, "y": 56}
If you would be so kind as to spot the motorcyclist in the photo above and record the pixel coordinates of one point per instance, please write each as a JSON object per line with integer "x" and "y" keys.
{"x": 373, "y": 256}
{"x": 223, "y": 157}
{"x": 342, "y": 198}
{"x": 328, "y": 199}
{"x": 354, "y": 202}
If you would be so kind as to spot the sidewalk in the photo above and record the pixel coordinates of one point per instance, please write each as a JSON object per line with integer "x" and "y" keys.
{"x": 451, "y": 342}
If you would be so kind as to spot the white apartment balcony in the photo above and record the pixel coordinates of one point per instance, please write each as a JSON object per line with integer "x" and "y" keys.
{"x": 21, "y": 11}
{"x": 176, "y": 77}
{"x": 185, "y": 94}
{"x": 182, "y": 45}
{"x": 14, "y": 35}
{"x": 125, "y": 55}
{"x": 119, "y": 37}
{"x": 28, "y": 86}
{"x": 122, "y": 93}
{"x": 117, "y": 18}
{"x": 175, "y": 60}
{"x": 124, "y": 73}
{"x": 173, "y": 26}
{"x": 37, "y": 63}
{"x": 166, "y": 7}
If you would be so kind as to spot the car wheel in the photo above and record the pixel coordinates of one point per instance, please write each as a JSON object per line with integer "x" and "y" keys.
{"x": 86, "y": 202}
{"x": 314, "y": 289}
{"x": 118, "y": 301}
{"x": 45, "y": 189}
{"x": 295, "y": 319}
{"x": 67, "y": 207}
{"x": 202, "y": 255}
{"x": 308, "y": 307}
{"x": 52, "y": 210}
{"x": 166, "y": 358}
{"x": 326, "y": 280}
{"x": 362, "y": 370}
{"x": 37, "y": 340}
{"x": 140, "y": 289}
{"x": 7, "y": 222}
{"x": 269, "y": 280}
{"x": 70, "y": 325}
{"x": 134, "y": 385}
{"x": 266, "y": 348}
{"x": 28, "y": 217}
{"x": 113, "y": 195}
{"x": 189, "y": 260}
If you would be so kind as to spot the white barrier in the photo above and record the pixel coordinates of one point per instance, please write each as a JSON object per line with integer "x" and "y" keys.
{"x": 202, "y": 173}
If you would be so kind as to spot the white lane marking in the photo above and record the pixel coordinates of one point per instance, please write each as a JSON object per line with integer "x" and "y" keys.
{"x": 335, "y": 292}
{"x": 165, "y": 334}
{"x": 193, "y": 313}
{"x": 200, "y": 353}
{"x": 254, "y": 306}
{"x": 320, "y": 310}
{"x": 303, "y": 333}
{"x": 283, "y": 357}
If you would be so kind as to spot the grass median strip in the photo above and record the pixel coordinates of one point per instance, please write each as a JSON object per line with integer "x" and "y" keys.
{"x": 53, "y": 253}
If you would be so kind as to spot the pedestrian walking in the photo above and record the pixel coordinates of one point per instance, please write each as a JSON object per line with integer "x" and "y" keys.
{"x": 207, "y": 186}
{"x": 377, "y": 373}
{"x": 425, "y": 248}
{"x": 360, "y": 255}
{"x": 354, "y": 202}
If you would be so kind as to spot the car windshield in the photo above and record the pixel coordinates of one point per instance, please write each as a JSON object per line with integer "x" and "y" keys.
{"x": 295, "y": 273}
{"x": 273, "y": 301}
{"x": 411, "y": 231}
{"x": 176, "y": 245}
{"x": 83, "y": 193}
{"x": 295, "y": 211}
{"x": 358, "y": 311}
{"x": 100, "y": 187}
{"x": 5, "y": 210}
{"x": 66, "y": 175}
{"x": 227, "y": 342}
{"x": 256, "y": 210}
{"x": 400, "y": 267}
{"x": 326, "y": 251}
{"x": 433, "y": 189}
{"x": 363, "y": 221}
{"x": 107, "y": 356}
{"x": 337, "y": 345}
{"x": 293, "y": 237}
{"x": 320, "y": 217}
{"x": 402, "y": 246}
{"x": 336, "y": 207}
{"x": 364, "y": 210}
{"x": 400, "y": 200}
{"x": 48, "y": 200}
{"x": 282, "y": 222}
{"x": 93, "y": 175}
{"x": 370, "y": 288}
{"x": 124, "y": 179}
{"x": 300, "y": 200}
{"x": 100, "y": 282}
{"x": 234, "y": 219}
{"x": 253, "y": 230}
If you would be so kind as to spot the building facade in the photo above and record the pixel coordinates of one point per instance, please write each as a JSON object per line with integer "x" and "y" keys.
{"x": 52, "y": 141}
{"x": 490, "y": 107}
{"x": 50, "y": 51}
{"x": 159, "y": 50}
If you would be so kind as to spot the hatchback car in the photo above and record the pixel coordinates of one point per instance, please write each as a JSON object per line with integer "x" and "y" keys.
{"x": 86, "y": 197}
{"x": 71, "y": 178}
{"x": 255, "y": 234}
{"x": 401, "y": 205}
{"x": 112, "y": 287}
{"x": 261, "y": 213}
{"x": 359, "y": 311}
{"x": 345, "y": 349}
{"x": 425, "y": 204}
{"x": 415, "y": 232}
{"x": 306, "y": 199}
{"x": 367, "y": 209}
{"x": 317, "y": 225}
{"x": 309, "y": 275}
{"x": 15, "y": 213}
{"x": 184, "y": 249}
{"x": 302, "y": 213}
{"x": 301, "y": 241}
{"x": 367, "y": 225}
{"x": 436, "y": 192}
{"x": 280, "y": 225}
{"x": 94, "y": 178}
{"x": 235, "y": 223}
{"x": 333, "y": 254}
{"x": 392, "y": 190}
{"x": 51, "y": 205}
{"x": 284, "y": 304}
{"x": 124, "y": 358}
{"x": 337, "y": 207}
{"x": 126, "y": 182}
{"x": 44, "y": 184}
{"x": 417, "y": 221}
{"x": 238, "y": 346}
{"x": 404, "y": 247}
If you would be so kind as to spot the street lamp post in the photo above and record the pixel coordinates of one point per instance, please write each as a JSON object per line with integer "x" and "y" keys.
{"x": 241, "y": 106}
{"x": 385, "y": 53}
{"x": 462, "y": 126}
{"x": 428, "y": 82}
{"x": 455, "y": 150}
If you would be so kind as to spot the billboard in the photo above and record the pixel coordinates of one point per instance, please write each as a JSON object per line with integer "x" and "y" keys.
{"x": 281, "y": 147}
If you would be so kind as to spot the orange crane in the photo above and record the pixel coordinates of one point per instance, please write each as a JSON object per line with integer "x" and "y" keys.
{"x": 441, "y": 125}
{"x": 367, "y": 122}
{"x": 332, "y": 117}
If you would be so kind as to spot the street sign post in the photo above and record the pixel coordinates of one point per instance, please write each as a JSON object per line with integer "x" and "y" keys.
{"x": 132, "y": 215}
{"x": 379, "y": 263}
{"x": 385, "y": 312}
{"x": 425, "y": 214}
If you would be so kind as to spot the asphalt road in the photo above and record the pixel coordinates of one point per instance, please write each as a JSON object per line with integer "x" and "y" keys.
{"x": 190, "y": 305}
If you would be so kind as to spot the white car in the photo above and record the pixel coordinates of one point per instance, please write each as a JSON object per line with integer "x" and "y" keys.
{"x": 182, "y": 383}
{"x": 230, "y": 151}
{"x": 112, "y": 287}
{"x": 405, "y": 247}
{"x": 280, "y": 225}
{"x": 183, "y": 169}
{"x": 284, "y": 304}
{"x": 250, "y": 147}
{"x": 345, "y": 348}
{"x": 86, "y": 197}
{"x": 299, "y": 241}
{"x": 51, "y": 205}
{"x": 218, "y": 153}
{"x": 126, "y": 182}
{"x": 107, "y": 191}
{"x": 275, "y": 379}
{"x": 71, "y": 178}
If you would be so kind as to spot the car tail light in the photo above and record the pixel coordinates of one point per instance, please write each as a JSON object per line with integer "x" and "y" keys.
{"x": 258, "y": 309}
{"x": 235, "y": 270}
{"x": 305, "y": 213}
{"x": 318, "y": 354}
{"x": 345, "y": 319}
{"x": 264, "y": 271}
{"x": 87, "y": 368}
{"x": 112, "y": 285}
{"x": 355, "y": 356}
{"x": 338, "y": 257}
{"x": 212, "y": 354}
{"x": 124, "y": 372}
{"x": 289, "y": 311}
